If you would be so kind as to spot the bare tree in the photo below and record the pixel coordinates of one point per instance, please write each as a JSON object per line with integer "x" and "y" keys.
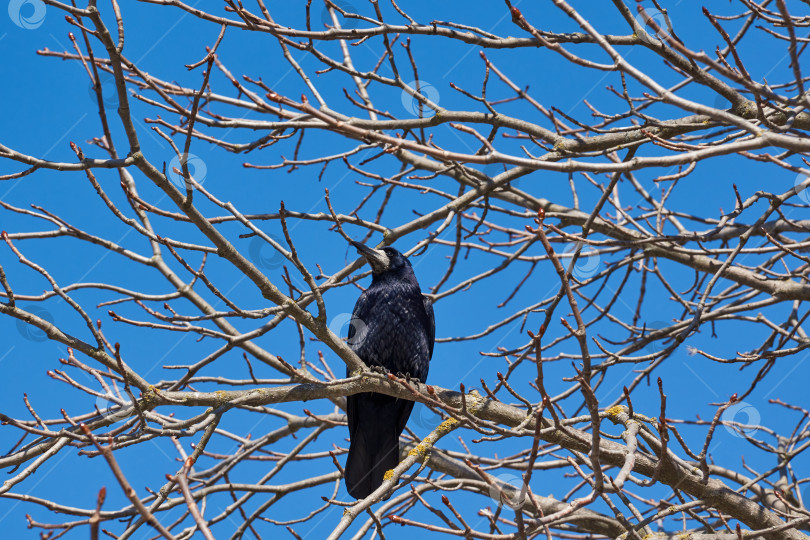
{"x": 598, "y": 291}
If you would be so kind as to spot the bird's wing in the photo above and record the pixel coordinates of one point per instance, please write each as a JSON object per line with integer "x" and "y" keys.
{"x": 358, "y": 315}
{"x": 431, "y": 323}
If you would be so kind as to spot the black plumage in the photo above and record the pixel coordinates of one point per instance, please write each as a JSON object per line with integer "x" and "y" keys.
{"x": 392, "y": 327}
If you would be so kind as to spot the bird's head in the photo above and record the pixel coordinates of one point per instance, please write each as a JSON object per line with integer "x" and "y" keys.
{"x": 383, "y": 260}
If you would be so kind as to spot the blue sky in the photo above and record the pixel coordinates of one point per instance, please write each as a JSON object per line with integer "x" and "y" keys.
{"x": 47, "y": 103}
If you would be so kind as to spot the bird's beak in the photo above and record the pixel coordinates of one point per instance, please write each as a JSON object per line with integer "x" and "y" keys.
{"x": 376, "y": 258}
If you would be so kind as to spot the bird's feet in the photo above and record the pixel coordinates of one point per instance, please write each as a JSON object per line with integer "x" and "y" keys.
{"x": 379, "y": 369}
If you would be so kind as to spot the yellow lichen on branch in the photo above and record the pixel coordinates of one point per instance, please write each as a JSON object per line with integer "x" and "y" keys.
{"x": 615, "y": 412}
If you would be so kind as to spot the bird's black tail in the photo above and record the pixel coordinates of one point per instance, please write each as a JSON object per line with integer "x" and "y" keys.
{"x": 375, "y": 422}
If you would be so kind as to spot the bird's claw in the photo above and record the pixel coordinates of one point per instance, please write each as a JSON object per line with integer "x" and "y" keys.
{"x": 406, "y": 375}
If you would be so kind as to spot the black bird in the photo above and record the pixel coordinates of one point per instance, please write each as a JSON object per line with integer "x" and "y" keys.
{"x": 392, "y": 328}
